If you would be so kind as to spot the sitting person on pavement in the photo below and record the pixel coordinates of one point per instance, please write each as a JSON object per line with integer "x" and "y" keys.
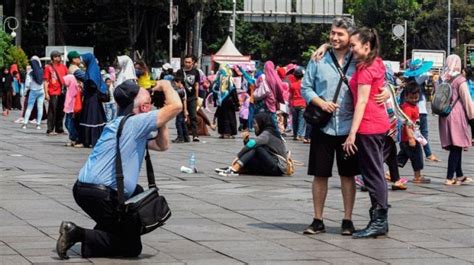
{"x": 259, "y": 155}
{"x": 95, "y": 191}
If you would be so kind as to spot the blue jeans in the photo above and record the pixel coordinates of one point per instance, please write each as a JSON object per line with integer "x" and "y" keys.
{"x": 38, "y": 96}
{"x": 251, "y": 114}
{"x": 71, "y": 127}
{"x": 424, "y": 132}
{"x": 299, "y": 124}
{"x": 110, "y": 111}
{"x": 181, "y": 126}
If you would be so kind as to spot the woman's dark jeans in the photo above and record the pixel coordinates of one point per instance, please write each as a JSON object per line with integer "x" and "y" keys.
{"x": 260, "y": 161}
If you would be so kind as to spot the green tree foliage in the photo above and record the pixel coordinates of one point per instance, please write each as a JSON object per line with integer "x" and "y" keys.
{"x": 116, "y": 27}
{"x": 381, "y": 15}
{"x": 427, "y": 22}
{"x": 5, "y": 44}
{"x": 16, "y": 55}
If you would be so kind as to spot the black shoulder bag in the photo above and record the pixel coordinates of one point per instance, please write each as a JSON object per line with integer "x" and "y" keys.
{"x": 148, "y": 210}
{"x": 315, "y": 115}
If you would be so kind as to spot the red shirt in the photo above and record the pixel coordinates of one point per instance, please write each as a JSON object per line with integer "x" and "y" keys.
{"x": 54, "y": 85}
{"x": 375, "y": 119}
{"x": 296, "y": 100}
{"x": 413, "y": 113}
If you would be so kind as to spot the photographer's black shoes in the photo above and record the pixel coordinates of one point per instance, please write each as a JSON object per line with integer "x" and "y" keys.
{"x": 69, "y": 234}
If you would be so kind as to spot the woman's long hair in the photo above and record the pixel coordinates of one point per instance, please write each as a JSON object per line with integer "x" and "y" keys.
{"x": 369, "y": 35}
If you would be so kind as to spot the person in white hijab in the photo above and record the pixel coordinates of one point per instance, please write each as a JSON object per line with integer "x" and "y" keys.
{"x": 127, "y": 70}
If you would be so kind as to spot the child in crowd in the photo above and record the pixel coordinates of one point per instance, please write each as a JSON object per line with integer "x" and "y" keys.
{"x": 244, "y": 100}
{"x": 298, "y": 105}
{"x": 411, "y": 141}
{"x": 178, "y": 84}
{"x": 110, "y": 107}
{"x": 72, "y": 119}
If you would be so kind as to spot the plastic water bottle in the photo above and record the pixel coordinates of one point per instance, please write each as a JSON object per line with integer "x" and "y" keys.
{"x": 192, "y": 162}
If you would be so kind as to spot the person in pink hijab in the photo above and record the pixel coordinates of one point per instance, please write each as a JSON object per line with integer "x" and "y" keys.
{"x": 269, "y": 92}
{"x": 454, "y": 130}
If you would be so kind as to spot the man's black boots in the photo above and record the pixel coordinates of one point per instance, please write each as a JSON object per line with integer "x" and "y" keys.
{"x": 378, "y": 225}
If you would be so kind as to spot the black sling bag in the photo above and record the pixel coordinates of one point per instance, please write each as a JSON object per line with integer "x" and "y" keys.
{"x": 148, "y": 210}
{"x": 315, "y": 115}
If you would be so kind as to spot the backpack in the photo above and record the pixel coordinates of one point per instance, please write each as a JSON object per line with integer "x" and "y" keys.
{"x": 442, "y": 103}
{"x": 286, "y": 164}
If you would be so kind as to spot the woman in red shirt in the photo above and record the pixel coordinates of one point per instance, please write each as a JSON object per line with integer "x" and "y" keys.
{"x": 369, "y": 125}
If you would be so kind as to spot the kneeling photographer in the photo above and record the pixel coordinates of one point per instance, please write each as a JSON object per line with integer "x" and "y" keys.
{"x": 97, "y": 190}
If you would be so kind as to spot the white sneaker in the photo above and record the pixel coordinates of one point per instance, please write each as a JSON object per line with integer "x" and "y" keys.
{"x": 23, "y": 126}
{"x": 229, "y": 173}
{"x": 221, "y": 169}
{"x": 38, "y": 127}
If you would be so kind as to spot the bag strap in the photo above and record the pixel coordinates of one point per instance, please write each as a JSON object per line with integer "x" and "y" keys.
{"x": 119, "y": 169}
{"x": 57, "y": 74}
{"x": 341, "y": 72}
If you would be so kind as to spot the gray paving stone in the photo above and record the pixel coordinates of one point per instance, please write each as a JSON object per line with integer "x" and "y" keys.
{"x": 219, "y": 220}
{"x": 14, "y": 260}
{"x": 437, "y": 261}
{"x": 396, "y": 253}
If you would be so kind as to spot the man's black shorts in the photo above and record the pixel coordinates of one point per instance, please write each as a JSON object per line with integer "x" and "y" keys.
{"x": 321, "y": 156}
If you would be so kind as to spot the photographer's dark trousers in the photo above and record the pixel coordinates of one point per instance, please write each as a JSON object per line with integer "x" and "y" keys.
{"x": 109, "y": 238}
{"x": 56, "y": 114}
{"x": 192, "y": 110}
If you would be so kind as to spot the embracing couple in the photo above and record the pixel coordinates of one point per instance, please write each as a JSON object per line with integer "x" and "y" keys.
{"x": 357, "y": 128}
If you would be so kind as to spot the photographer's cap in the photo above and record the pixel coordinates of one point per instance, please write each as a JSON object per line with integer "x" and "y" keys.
{"x": 124, "y": 95}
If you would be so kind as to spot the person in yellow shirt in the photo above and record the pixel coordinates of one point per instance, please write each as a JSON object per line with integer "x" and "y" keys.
{"x": 143, "y": 74}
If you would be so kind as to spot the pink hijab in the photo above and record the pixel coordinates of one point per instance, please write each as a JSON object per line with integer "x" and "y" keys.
{"x": 112, "y": 73}
{"x": 452, "y": 67}
{"x": 274, "y": 81}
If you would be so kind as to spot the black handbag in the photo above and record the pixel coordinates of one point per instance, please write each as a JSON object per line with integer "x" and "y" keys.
{"x": 315, "y": 115}
{"x": 148, "y": 210}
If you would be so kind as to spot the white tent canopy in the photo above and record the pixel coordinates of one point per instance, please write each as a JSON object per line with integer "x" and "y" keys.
{"x": 228, "y": 54}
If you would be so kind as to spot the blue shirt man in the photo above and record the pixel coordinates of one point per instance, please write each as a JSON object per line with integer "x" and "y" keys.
{"x": 95, "y": 190}
{"x": 320, "y": 80}
{"x": 100, "y": 165}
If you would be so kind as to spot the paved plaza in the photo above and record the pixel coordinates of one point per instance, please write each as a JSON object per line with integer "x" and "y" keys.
{"x": 238, "y": 220}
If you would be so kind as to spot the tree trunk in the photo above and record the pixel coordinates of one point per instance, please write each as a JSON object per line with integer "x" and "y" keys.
{"x": 51, "y": 25}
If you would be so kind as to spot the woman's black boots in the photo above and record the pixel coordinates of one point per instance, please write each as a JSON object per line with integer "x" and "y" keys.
{"x": 378, "y": 225}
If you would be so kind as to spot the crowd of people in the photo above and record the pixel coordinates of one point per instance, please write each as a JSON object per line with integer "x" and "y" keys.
{"x": 373, "y": 110}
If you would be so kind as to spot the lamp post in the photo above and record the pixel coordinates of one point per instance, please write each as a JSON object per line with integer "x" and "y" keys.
{"x": 170, "y": 27}
{"x": 449, "y": 28}
{"x": 11, "y": 26}
{"x": 232, "y": 21}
